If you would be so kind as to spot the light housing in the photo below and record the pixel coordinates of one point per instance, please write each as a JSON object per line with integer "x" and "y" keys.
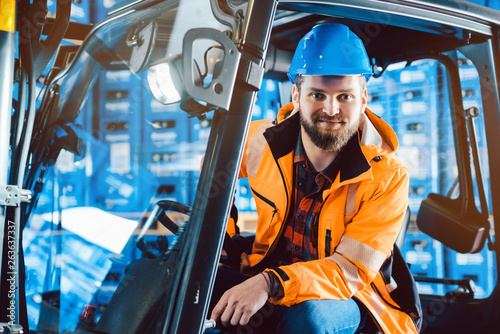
{"x": 165, "y": 80}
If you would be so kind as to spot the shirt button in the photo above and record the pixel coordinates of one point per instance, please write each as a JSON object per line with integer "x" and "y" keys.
{"x": 300, "y": 216}
{"x": 303, "y": 165}
{"x": 297, "y": 247}
{"x": 300, "y": 184}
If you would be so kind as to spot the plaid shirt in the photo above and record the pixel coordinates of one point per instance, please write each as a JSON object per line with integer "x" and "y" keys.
{"x": 299, "y": 241}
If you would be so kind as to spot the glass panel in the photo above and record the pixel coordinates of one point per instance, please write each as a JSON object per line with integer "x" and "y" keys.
{"x": 479, "y": 267}
{"x": 133, "y": 152}
{"x": 414, "y": 100}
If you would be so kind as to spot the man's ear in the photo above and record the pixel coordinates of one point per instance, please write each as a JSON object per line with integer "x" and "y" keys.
{"x": 364, "y": 100}
{"x": 295, "y": 97}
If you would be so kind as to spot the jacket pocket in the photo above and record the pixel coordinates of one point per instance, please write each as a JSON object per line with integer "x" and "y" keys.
{"x": 328, "y": 242}
{"x": 268, "y": 201}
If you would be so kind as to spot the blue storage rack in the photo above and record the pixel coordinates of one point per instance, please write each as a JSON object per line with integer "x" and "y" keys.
{"x": 116, "y": 156}
{"x": 173, "y": 187}
{"x": 480, "y": 267}
{"x": 199, "y": 130}
{"x": 72, "y": 187}
{"x": 66, "y": 184}
{"x": 494, "y": 4}
{"x": 268, "y": 101}
{"x": 425, "y": 255}
{"x": 70, "y": 175}
{"x": 244, "y": 200}
{"x": 380, "y": 98}
{"x": 165, "y": 148}
{"x": 163, "y": 124}
{"x": 79, "y": 267}
{"x": 417, "y": 96}
{"x": 102, "y": 8}
{"x": 80, "y": 10}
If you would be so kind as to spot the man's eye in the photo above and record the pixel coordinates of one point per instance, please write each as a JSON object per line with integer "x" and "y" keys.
{"x": 345, "y": 97}
{"x": 318, "y": 96}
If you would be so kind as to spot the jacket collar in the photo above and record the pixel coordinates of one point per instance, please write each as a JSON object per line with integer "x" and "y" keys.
{"x": 283, "y": 137}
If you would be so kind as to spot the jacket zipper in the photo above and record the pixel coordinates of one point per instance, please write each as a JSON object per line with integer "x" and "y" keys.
{"x": 268, "y": 202}
{"x": 328, "y": 241}
{"x": 328, "y": 237}
{"x": 275, "y": 242}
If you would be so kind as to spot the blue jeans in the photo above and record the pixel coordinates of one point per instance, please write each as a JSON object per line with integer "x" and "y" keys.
{"x": 312, "y": 316}
{"x": 324, "y": 316}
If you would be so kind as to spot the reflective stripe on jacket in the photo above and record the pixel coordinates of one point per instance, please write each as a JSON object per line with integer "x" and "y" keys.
{"x": 354, "y": 239}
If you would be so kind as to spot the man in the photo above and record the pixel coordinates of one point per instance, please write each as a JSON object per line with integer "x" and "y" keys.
{"x": 331, "y": 198}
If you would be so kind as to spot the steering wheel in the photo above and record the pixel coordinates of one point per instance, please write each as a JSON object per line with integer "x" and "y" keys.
{"x": 233, "y": 246}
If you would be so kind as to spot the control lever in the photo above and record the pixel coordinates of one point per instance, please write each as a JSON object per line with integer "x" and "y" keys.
{"x": 464, "y": 292}
{"x": 8, "y": 328}
{"x": 210, "y": 323}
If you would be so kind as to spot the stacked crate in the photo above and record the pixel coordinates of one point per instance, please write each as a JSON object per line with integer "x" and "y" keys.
{"x": 380, "y": 102}
{"x": 425, "y": 257}
{"x": 165, "y": 149}
{"x": 416, "y": 99}
{"x": 116, "y": 158}
{"x": 479, "y": 267}
{"x": 80, "y": 10}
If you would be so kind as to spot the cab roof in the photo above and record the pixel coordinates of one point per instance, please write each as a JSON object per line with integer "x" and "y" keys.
{"x": 391, "y": 30}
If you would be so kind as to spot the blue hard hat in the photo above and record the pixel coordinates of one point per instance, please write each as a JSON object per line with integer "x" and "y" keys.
{"x": 330, "y": 49}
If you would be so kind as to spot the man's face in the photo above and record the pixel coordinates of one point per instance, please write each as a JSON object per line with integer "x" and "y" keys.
{"x": 330, "y": 108}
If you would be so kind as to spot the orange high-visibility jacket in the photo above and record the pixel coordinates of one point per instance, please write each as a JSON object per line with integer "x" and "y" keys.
{"x": 358, "y": 223}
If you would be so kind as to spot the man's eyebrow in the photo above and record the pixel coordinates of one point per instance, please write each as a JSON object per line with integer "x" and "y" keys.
{"x": 319, "y": 90}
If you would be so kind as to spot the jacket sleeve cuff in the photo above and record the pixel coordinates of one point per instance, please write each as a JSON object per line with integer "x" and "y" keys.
{"x": 290, "y": 287}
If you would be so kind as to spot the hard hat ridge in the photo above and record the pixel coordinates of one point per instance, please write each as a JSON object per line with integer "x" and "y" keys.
{"x": 330, "y": 49}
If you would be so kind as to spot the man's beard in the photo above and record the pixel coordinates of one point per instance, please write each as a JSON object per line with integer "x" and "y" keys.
{"x": 329, "y": 141}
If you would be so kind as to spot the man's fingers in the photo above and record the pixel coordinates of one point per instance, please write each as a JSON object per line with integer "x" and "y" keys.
{"x": 226, "y": 317}
{"x": 238, "y": 304}
{"x": 245, "y": 318}
{"x": 235, "y": 319}
{"x": 226, "y": 312}
{"x": 215, "y": 314}
{"x": 219, "y": 308}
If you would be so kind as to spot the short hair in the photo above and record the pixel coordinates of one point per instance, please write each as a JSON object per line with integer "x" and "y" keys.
{"x": 300, "y": 78}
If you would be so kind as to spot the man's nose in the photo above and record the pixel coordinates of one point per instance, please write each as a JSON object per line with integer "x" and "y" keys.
{"x": 331, "y": 107}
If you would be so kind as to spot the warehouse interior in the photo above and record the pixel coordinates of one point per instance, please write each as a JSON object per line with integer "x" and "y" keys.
{"x": 123, "y": 151}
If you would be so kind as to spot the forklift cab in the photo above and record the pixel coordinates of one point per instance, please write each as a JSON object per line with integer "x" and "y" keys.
{"x": 110, "y": 225}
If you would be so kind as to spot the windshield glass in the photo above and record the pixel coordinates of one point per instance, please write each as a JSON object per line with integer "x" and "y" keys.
{"x": 105, "y": 151}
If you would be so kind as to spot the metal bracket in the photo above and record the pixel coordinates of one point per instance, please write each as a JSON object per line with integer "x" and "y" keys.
{"x": 13, "y": 196}
{"x": 252, "y": 73}
{"x": 220, "y": 90}
{"x": 234, "y": 18}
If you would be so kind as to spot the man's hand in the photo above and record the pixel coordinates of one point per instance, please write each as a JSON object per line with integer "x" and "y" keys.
{"x": 244, "y": 262}
{"x": 239, "y": 303}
